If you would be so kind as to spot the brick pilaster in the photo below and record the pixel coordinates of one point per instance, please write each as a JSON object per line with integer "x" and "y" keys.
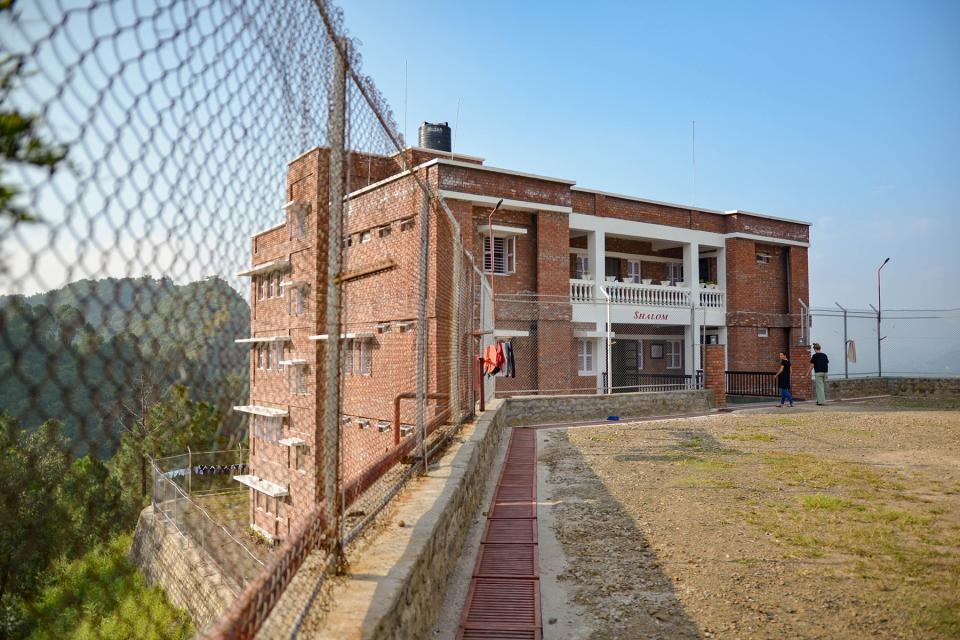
{"x": 714, "y": 357}
{"x": 801, "y": 385}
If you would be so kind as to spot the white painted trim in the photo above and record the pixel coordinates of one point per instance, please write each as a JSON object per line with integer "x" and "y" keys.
{"x": 767, "y": 239}
{"x": 359, "y": 335}
{"x": 649, "y": 336}
{"x": 279, "y": 225}
{"x": 453, "y": 154}
{"x": 296, "y": 204}
{"x": 645, "y": 230}
{"x": 501, "y": 230}
{"x": 296, "y": 362}
{"x": 627, "y": 256}
{"x": 263, "y": 339}
{"x": 734, "y": 212}
{"x": 583, "y": 333}
{"x": 266, "y": 267}
{"x": 292, "y": 442}
{"x": 482, "y": 167}
{"x": 269, "y": 412}
{"x": 513, "y": 205}
{"x": 510, "y": 333}
{"x": 271, "y": 489}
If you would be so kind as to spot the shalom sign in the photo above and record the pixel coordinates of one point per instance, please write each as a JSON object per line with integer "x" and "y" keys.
{"x": 640, "y": 315}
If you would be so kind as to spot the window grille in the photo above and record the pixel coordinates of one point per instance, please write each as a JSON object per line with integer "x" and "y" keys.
{"x": 503, "y": 259}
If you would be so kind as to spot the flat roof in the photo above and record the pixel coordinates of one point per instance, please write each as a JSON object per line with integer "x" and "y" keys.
{"x": 272, "y": 489}
{"x": 270, "y": 412}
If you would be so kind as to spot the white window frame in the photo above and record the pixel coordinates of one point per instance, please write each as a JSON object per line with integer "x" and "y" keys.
{"x": 269, "y": 277}
{"x": 507, "y": 250}
{"x": 267, "y": 428}
{"x": 278, "y": 352}
{"x": 763, "y": 332}
{"x": 366, "y": 236}
{"x": 633, "y": 271}
{"x": 366, "y": 357}
{"x": 582, "y": 270}
{"x": 675, "y": 272}
{"x": 300, "y": 457}
{"x": 674, "y": 354}
{"x": 763, "y": 257}
{"x": 261, "y": 287}
{"x": 407, "y": 224}
{"x": 260, "y": 356}
{"x": 346, "y": 355}
{"x": 384, "y": 231}
{"x": 586, "y": 357}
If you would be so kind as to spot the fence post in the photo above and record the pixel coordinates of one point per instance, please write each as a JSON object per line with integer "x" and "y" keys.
{"x": 422, "y": 328}
{"x": 455, "y": 311}
{"x": 189, "y": 472}
{"x": 331, "y": 399}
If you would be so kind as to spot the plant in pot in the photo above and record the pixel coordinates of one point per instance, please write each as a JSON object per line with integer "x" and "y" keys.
{"x": 646, "y": 280}
{"x": 665, "y": 283}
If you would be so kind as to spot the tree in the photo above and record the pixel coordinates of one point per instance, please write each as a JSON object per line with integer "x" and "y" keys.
{"x": 31, "y": 520}
{"x": 158, "y": 429}
{"x": 92, "y": 505}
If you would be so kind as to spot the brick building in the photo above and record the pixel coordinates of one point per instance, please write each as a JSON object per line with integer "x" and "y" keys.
{"x": 570, "y": 266}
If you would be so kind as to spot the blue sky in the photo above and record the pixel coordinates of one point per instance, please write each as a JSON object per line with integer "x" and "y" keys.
{"x": 845, "y": 114}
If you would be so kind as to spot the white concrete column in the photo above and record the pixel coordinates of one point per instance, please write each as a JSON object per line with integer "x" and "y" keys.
{"x": 596, "y": 250}
{"x": 691, "y": 268}
{"x": 600, "y": 357}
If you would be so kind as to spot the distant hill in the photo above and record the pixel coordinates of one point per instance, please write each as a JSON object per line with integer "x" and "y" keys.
{"x": 83, "y": 352}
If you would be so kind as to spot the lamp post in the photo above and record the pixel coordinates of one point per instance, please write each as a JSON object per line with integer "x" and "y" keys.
{"x": 879, "y": 308}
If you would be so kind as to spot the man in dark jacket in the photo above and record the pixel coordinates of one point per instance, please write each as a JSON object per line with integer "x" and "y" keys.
{"x": 783, "y": 380}
{"x": 818, "y": 364}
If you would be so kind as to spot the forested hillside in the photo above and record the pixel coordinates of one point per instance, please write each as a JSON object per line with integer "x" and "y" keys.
{"x": 95, "y": 353}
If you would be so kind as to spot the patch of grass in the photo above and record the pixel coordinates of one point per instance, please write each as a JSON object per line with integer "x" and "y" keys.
{"x": 822, "y": 501}
{"x": 821, "y": 473}
{"x": 693, "y": 443}
{"x": 692, "y": 482}
{"x": 941, "y": 404}
{"x": 754, "y": 437}
{"x": 706, "y": 464}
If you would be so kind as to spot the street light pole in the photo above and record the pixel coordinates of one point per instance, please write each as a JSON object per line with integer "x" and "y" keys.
{"x": 846, "y": 363}
{"x": 879, "y": 309}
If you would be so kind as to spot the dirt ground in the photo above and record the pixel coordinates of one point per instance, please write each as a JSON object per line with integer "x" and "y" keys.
{"x": 841, "y": 522}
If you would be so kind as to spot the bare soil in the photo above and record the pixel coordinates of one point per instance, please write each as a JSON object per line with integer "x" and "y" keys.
{"x": 841, "y": 522}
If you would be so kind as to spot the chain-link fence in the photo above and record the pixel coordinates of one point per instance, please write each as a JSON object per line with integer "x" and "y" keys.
{"x": 212, "y": 235}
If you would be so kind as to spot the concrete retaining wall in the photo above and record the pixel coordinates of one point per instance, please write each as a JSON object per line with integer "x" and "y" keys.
{"x": 839, "y": 388}
{"x": 532, "y": 410}
{"x": 169, "y": 560}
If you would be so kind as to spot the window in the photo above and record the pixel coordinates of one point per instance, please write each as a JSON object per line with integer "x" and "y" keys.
{"x": 406, "y": 225}
{"x": 303, "y": 452}
{"x": 261, "y": 356}
{"x": 347, "y": 241}
{"x": 257, "y": 500}
{"x": 504, "y": 259}
{"x": 267, "y": 428}
{"x": 358, "y": 357}
{"x": 366, "y": 236}
{"x": 278, "y": 348}
{"x": 269, "y": 285}
{"x": 296, "y": 299}
{"x": 762, "y": 332}
{"x": 633, "y": 271}
{"x": 298, "y": 223}
{"x": 763, "y": 257}
{"x": 276, "y": 284}
{"x": 365, "y": 357}
{"x": 261, "y": 286}
{"x": 675, "y": 272}
{"x": 583, "y": 267}
{"x": 384, "y": 231}
{"x": 585, "y": 357}
{"x": 297, "y": 379}
{"x": 674, "y": 354}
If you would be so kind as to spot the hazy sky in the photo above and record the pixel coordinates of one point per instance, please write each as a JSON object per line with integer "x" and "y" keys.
{"x": 843, "y": 114}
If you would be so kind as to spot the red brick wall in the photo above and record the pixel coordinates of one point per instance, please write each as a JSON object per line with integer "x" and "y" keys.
{"x": 713, "y": 372}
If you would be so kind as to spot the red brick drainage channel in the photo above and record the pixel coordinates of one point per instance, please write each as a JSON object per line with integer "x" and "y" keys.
{"x": 503, "y": 602}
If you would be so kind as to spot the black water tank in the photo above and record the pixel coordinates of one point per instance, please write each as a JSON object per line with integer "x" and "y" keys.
{"x": 435, "y": 136}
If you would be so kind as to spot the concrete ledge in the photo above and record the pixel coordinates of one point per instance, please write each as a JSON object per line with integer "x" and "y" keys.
{"x": 396, "y": 588}
{"x": 840, "y": 388}
{"x": 533, "y": 410}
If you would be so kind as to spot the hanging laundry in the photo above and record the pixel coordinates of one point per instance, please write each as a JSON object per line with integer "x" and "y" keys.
{"x": 511, "y": 364}
{"x": 852, "y": 351}
{"x": 493, "y": 359}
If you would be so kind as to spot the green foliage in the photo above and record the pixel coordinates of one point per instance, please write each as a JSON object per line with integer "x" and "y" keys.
{"x": 90, "y": 499}
{"x": 102, "y": 595}
{"x": 87, "y": 353}
{"x": 31, "y": 523}
{"x": 167, "y": 427}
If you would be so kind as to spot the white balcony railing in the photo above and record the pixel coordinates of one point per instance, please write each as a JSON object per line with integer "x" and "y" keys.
{"x": 582, "y": 290}
{"x": 712, "y": 298}
{"x": 653, "y": 295}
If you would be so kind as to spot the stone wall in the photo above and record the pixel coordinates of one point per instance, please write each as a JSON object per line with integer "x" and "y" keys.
{"x": 170, "y": 560}
{"x": 532, "y": 410}
{"x": 395, "y": 587}
{"x": 839, "y": 388}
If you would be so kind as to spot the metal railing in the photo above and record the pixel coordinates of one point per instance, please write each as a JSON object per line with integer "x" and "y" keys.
{"x": 656, "y": 382}
{"x": 751, "y": 383}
